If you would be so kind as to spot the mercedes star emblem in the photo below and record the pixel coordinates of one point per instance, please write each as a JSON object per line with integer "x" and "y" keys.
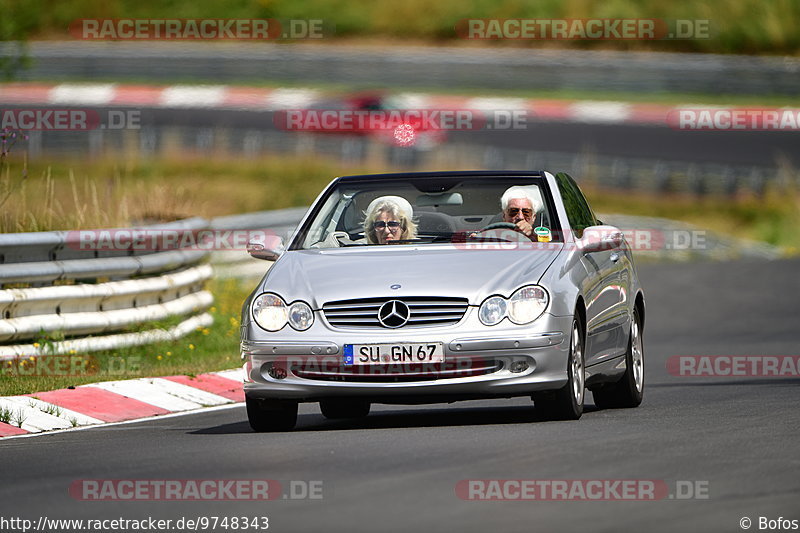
{"x": 393, "y": 314}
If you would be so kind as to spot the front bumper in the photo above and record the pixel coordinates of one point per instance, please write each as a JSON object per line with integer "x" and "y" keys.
{"x": 480, "y": 362}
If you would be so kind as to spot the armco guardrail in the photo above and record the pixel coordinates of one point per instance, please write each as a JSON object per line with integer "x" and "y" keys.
{"x": 51, "y": 284}
{"x": 405, "y": 66}
{"x": 46, "y": 257}
{"x": 634, "y": 173}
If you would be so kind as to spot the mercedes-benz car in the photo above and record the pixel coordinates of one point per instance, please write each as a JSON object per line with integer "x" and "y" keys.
{"x": 416, "y": 288}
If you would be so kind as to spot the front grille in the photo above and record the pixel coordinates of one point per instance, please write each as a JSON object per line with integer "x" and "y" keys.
{"x": 424, "y": 311}
{"x": 458, "y": 368}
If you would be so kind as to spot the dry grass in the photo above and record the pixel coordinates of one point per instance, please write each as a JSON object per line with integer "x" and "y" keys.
{"x": 772, "y": 218}
{"x": 82, "y": 193}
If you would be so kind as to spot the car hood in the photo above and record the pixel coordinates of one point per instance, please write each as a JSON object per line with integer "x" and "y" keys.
{"x": 320, "y": 276}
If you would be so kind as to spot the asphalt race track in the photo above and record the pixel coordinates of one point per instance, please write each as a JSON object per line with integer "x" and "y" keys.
{"x": 759, "y": 148}
{"x": 767, "y": 149}
{"x": 398, "y": 469}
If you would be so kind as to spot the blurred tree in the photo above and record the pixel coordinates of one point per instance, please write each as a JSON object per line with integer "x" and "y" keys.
{"x": 17, "y": 22}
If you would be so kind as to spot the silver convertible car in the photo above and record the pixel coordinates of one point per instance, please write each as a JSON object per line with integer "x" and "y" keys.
{"x": 433, "y": 287}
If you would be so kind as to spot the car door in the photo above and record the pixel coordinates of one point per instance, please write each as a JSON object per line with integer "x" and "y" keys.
{"x": 603, "y": 292}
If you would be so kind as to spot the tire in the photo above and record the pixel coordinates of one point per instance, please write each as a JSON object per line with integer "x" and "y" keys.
{"x": 567, "y": 402}
{"x": 629, "y": 390}
{"x": 334, "y": 409}
{"x": 271, "y": 416}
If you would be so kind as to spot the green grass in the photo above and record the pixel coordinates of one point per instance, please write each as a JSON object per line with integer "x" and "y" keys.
{"x": 738, "y": 26}
{"x": 204, "y": 350}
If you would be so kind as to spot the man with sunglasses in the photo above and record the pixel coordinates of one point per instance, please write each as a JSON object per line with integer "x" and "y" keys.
{"x": 521, "y": 205}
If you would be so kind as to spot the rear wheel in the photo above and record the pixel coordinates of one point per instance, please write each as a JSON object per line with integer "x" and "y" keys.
{"x": 628, "y": 391}
{"x": 567, "y": 402}
{"x": 344, "y": 408}
{"x": 271, "y": 415}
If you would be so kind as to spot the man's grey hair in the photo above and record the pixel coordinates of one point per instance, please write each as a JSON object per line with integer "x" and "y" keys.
{"x": 528, "y": 192}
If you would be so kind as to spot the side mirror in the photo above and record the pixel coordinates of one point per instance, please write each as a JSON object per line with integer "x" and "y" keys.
{"x": 268, "y": 251}
{"x": 599, "y": 238}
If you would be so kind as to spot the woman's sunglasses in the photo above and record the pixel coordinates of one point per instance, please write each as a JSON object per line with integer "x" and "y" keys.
{"x": 381, "y": 224}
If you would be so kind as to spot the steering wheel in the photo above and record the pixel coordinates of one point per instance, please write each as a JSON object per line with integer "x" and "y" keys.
{"x": 500, "y": 225}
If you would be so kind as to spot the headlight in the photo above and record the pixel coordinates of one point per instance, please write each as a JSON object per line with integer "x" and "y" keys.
{"x": 527, "y": 304}
{"x": 270, "y": 312}
{"x": 492, "y": 310}
{"x": 300, "y": 316}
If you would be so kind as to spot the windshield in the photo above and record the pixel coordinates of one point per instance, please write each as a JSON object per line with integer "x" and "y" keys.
{"x": 425, "y": 210}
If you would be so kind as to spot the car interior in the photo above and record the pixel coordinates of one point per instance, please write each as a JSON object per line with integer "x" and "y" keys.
{"x": 442, "y": 214}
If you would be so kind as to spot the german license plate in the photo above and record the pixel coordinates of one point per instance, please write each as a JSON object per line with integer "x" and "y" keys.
{"x": 401, "y": 352}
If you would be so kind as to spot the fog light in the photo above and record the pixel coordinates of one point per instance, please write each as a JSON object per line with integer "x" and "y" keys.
{"x": 518, "y": 366}
{"x": 276, "y": 372}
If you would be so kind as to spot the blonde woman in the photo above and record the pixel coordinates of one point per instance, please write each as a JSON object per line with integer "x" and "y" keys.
{"x": 389, "y": 219}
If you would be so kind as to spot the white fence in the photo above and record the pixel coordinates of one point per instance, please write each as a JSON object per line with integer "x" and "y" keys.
{"x": 96, "y": 300}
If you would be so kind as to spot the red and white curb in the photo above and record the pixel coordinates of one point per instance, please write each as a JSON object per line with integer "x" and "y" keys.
{"x": 118, "y": 401}
{"x": 262, "y": 99}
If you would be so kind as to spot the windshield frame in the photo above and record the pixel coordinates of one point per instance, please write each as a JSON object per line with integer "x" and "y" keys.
{"x": 431, "y": 182}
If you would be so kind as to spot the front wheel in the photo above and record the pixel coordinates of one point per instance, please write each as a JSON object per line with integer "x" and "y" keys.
{"x": 270, "y": 416}
{"x": 567, "y": 402}
{"x": 628, "y": 391}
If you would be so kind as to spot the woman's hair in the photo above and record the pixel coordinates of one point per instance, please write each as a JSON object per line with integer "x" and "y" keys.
{"x": 397, "y": 207}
